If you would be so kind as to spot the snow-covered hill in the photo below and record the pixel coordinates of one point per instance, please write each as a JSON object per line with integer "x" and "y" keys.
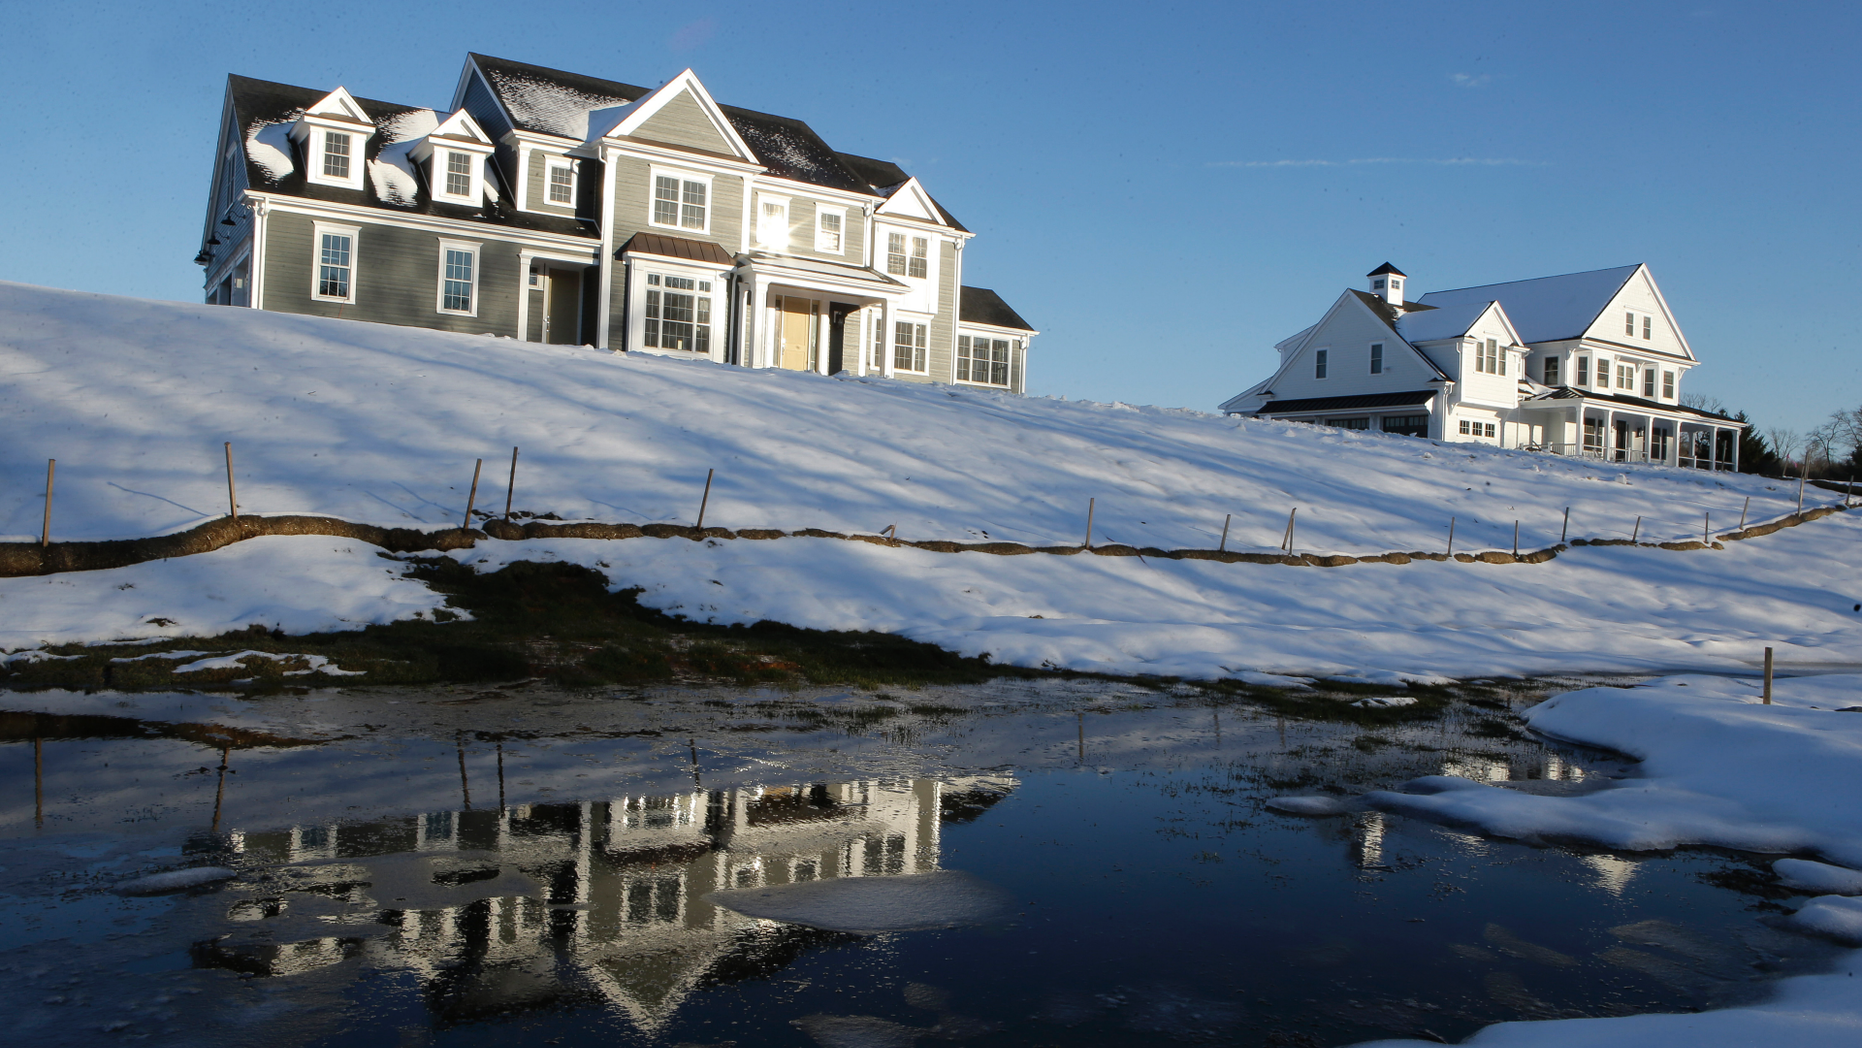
{"x": 381, "y": 425}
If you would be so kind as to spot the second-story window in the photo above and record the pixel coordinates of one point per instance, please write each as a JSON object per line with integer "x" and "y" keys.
{"x": 1583, "y": 371}
{"x": 1377, "y": 358}
{"x": 1551, "y": 371}
{"x": 828, "y": 230}
{"x": 895, "y": 254}
{"x": 1625, "y": 376}
{"x": 1487, "y": 358}
{"x": 1629, "y": 324}
{"x": 772, "y": 223}
{"x": 1319, "y": 363}
{"x": 562, "y": 184}
{"x": 335, "y": 154}
{"x": 920, "y": 264}
{"x": 679, "y": 202}
{"x": 1603, "y": 372}
{"x": 1648, "y": 383}
{"x": 1668, "y": 385}
{"x": 1647, "y": 326}
{"x": 459, "y": 174}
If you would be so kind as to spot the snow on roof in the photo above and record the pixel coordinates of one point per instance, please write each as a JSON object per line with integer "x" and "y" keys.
{"x": 391, "y": 171}
{"x": 549, "y": 106}
{"x": 268, "y": 144}
{"x": 1451, "y": 320}
{"x": 1547, "y": 308}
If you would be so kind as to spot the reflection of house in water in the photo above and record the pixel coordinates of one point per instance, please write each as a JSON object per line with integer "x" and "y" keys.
{"x": 614, "y": 908}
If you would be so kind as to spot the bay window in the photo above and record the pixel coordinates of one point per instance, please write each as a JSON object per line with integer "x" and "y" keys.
{"x": 678, "y": 313}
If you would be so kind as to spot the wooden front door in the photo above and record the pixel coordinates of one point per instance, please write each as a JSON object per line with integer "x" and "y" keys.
{"x": 563, "y": 313}
{"x": 797, "y": 335}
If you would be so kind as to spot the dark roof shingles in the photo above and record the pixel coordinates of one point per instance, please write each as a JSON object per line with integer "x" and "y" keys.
{"x": 980, "y": 305}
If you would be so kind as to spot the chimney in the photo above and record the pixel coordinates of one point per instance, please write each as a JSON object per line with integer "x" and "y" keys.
{"x": 1387, "y": 284}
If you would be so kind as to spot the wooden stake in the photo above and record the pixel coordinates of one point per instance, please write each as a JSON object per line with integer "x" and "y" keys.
{"x": 38, "y": 782}
{"x": 1451, "y": 536}
{"x": 1224, "y": 545}
{"x": 706, "y": 501}
{"x": 1706, "y": 527}
{"x": 473, "y": 497}
{"x": 1768, "y": 676}
{"x": 1089, "y": 523}
{"x": 510, "y": 486}
{"x": 45, "y": 533}
{"x": 1636, "y": 534}
{"x": 1516, "y": 538}
{"x": 219, "y": 792}
{"x": 232, "y": 499}
{"x": 1743, "y": 510}
{"x": 1567, "y": 528}
{"x": 1287, "y": 542}
{"x": 465, "y": 788}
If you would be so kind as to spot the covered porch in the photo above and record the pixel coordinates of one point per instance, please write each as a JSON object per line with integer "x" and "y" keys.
{"x": 801, "y": 314}
{"x": 1628, "y": 429}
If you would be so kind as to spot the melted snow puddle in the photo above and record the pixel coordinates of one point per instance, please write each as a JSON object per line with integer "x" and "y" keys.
{"x": 1049, "y": 862}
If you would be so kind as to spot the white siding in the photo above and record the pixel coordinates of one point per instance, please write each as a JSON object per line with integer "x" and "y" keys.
{"x": 1347, "y": 335}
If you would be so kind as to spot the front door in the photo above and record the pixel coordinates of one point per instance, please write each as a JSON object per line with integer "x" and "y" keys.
{"x": 563, "y": 314}
{"x": 1622, "y": 440}
{"x": 797, "y": 334}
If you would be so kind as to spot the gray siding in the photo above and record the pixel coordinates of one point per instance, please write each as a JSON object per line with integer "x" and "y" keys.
{"x": 802, "y": 230}
{"x": 682, "y": 122}
{"x": 485, "y": 109}
{"x": 397, "y": 277}
{"x": 943, "y": 326}
{"x": 534, "y": 326}
{"x": 633, "y": 206}
{"x": 537, "y": 187}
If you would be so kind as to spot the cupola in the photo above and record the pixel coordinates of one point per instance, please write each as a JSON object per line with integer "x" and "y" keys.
{"x": 1387, "y": 284}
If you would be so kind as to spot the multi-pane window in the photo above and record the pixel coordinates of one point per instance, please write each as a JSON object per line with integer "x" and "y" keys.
{"x": 1477, "y": 429}
{"x": 920, "y": 263}
{"x": 1648, "y": 326}
{"x": 562, "y": 185}
{"x": 895, "y": 254}
{"x": 772, "y": 227}
{"x": 1648, "y": 383}
{"x": 828, "y": 230}
{"x": 1377, "y": 358}
{"x": 459, "y": 174}
{"x": 1551, "y": 371}
{"x": 333, "y": 265}
{"x": 1603, "y": 373}
{"x": 1349, "y": 423}
{"x": 679, "y": 202}
{"x": 879, "y": 342}
{"x": 1668, "y": 385}
{"x": 1593, "y": 434}
{"x": 678, "y": 313}
{"x": 1625, "y": 376}
{"x": 1319, "y": 363}
{"x": 982, "y": 359}
{"x": 1583, "y": 371}
{"x": 1487, "y": 359}
{"x": 1629, "y": 324}
{"x": 457, "y": 280}
{"x": 1407, "y": 425}
{"x": 909, "y": 347}
{"x": 335, "y": 154}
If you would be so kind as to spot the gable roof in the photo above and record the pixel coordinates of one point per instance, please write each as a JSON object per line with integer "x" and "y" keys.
{"x": 979, "y": 305}
{"x": 1546, "y": 309}
{"x": 885, "y": 178}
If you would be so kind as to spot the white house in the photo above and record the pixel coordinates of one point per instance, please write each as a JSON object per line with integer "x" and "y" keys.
{"x": 1579, "y": 364}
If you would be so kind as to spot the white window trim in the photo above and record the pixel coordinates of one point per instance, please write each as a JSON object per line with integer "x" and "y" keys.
{"x": 892, "y": 343}
{"x": 1321, "y": 357}
{"x": 826, "y": 209}
{"x": 552, "y": 164}
{"x": 439, "y": 284}
{"x": 354, "y": 233}
{"x": 437, "y": 175}
{"x": 1014, "y": 344}
{"x": 756, "y": 230}
{"x": 656, "y": 172}
{"x": 637, "y": 304}
{"x": 358, "y": 152}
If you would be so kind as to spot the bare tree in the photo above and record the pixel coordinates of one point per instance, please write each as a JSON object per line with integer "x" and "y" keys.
{"x": 1703, "y": 402}
{"x": 1784, "y": 443}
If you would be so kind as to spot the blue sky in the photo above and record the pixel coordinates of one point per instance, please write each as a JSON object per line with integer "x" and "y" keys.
{"x": 1164, "y": 189}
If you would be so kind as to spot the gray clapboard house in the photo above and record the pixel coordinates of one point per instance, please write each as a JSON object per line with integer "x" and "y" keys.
{"x": 558, "y": 208}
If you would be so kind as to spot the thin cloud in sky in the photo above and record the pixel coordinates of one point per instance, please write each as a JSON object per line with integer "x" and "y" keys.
{"x": 1471, "y": 79}
{"x": 1444, "y": 161}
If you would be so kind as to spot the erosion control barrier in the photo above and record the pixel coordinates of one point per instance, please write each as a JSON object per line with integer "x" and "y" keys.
{"x": 18, "y": 559}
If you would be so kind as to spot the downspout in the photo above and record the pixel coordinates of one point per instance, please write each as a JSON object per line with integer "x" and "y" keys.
{"x": 604, "y": 309}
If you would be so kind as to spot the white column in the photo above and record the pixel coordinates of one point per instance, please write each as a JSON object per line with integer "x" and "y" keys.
{"x": 524, "y": 261}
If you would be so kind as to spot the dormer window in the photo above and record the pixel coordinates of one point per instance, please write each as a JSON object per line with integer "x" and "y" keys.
{"x": 336, "y": 155}
{"x": 562, "y": 183}
{"x": 458, "y": 174}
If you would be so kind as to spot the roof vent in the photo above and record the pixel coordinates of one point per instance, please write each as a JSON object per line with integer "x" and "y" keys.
{"x": 1387, "y": 284}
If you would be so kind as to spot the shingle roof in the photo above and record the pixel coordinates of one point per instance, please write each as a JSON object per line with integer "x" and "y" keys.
{"x": 1429, "y": 324}
{"x": 979, "y": 305}
{"x": 1386, "y": 268}
{"x": 261, "y": 104}
{"x": 678, "y": 247}
{"x": 1384, "y": 309}
{"x": 1546, "y": 309}
{"x": 884, "y": 176}
{"x": 1362, "y": 400}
